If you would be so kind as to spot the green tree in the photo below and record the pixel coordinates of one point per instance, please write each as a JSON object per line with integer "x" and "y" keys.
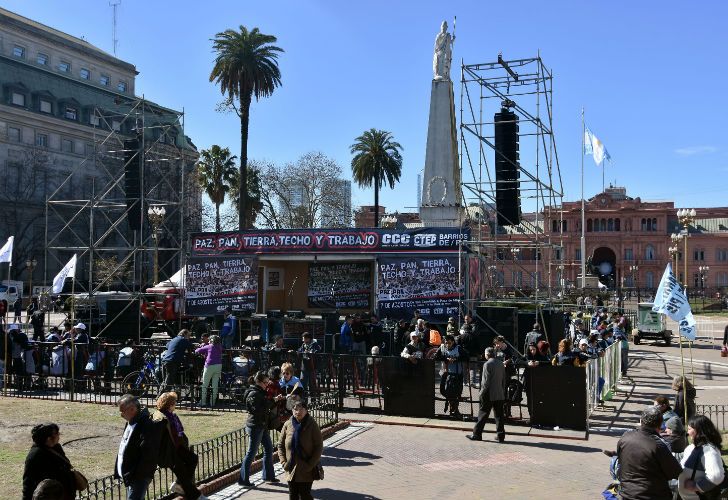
{"x": 253, "y": 205}
{"x": 377, "y": 160}
{"x": 246, "y": 65}
{"x": 216, "y": 174}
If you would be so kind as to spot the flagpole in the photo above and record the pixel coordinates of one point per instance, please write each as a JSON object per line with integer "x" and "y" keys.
{"x": 583, "y": 223}
{"x": 6, "y": 333}
{"x": 603, "y": 184}
{"x": 73, "y": 315}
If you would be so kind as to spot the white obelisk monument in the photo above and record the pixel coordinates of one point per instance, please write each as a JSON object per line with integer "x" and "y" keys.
{"x": 441, "y": 190}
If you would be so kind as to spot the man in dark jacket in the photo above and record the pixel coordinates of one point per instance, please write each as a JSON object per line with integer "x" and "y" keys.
{"x": 174, "y": 356}
{"x": 492, "y": 395}
{"x": 139, "y": 448}
{"x": 258, "y": 406}
{"x": 646, "y": 464}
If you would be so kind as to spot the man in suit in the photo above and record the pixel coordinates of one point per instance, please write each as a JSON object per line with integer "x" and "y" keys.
{"x": 492, "y": 395}
{"x": 139, "y": 448}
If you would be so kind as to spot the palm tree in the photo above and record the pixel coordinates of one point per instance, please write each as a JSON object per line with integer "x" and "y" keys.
{"x": 377, "y": 160}
{"x": 254, "y": 204}
{"x": 246, "y": 65}
{"x": 215, "y": 174}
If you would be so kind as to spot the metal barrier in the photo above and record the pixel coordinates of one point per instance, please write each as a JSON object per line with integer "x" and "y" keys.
{"x": 602, "y": 375}
{"x": 217, "y": 456}
{"x": 716, "y": 413}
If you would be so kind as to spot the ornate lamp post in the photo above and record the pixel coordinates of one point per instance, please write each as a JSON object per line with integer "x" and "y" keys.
{"x": 675, "y": 249}
{"x": 31, "y": 264}
{"x": 634, "y": 270}
{"x": 156, "y": 219}
{"x": 703, "y": 271}
{"x": 686, "y": 216}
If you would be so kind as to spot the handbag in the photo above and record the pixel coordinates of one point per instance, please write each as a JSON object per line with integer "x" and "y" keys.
{"x": 724, "y": 352}
{"x": 79, "y": 479}
{"x": 318, "y": 472}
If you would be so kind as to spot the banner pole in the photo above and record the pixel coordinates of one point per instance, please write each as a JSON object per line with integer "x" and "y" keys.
{"x": 684, "y": 389}
{"x": 5, "y": 334}
{"x": 692, "y": 370}
{"x": 73, "y": 353}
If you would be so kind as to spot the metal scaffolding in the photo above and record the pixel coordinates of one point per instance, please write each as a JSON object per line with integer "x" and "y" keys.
{"x": 88, "y": 214}
{"x": 528, "y": 85}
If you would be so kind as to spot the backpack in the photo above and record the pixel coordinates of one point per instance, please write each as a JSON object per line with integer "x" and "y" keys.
{"x": 435, "y": 338}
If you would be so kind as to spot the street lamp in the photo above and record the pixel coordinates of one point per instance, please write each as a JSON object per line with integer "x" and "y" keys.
{"x": 703, "y": 272}
{"x": 634, "y": 272}
{"x": 675, "y": 248}
{"x": 156, "y": 218}
{"x": 686, "y": 216}
{"x": 31, "y": 264}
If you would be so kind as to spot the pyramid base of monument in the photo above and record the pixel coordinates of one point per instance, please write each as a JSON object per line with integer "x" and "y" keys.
{"x": 442, "y": 216}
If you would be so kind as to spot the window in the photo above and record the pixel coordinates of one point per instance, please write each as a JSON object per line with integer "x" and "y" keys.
{"x": 104, "y": 80}
{"x": 45, "y": 106}
{"x": 67, "y": 146}
{"x": 517, "y": 278}
{"x": 18, "y": 99}
{"x": 577, "y": 254}
{"x": 628, "y": 255}
{"x": 616, "y": 225}
{"x": 70, "y": 113}
{"x": 41, "y": 140}
{"x": 654, "y": 224}
{"x": 650, "y": 279}
{"x": 93, "y": 119}
{"x": 649, "y": 252}
{"x": 42, "y": 59}
{"x": 121, "y": 87}
{"x": 14, "y": 134}
{"x": 721, "y": 255}
{"x": 64, "y": 67}
{"x": 610, "y": 225}
{"x": 721, "y": 279}
{"x": 89, "y": 149}
{"x": 699, "y": 255}
{"x": 643, "y": 225}
{"x": 19, "y": 51}
{"x": 554, "y": 226}
{"x": 84, "y": 74}
{"x": 589, "y": 226}
{"x": 564, "y": 226}
{"x": 603, "y": 225}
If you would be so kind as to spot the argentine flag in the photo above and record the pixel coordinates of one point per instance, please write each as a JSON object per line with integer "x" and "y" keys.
{"x": 595, "y": 147}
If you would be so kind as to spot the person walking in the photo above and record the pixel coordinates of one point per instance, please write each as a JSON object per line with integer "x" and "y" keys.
{"x": 213, "y": 369}
{"x": 138, "y": 453}
{"x": 18, "y": 310}
{"x": 258, "y": 407}
{"x": 47, "y": 460}
{"x": 702, "y": 464}
{"x": 646, "y": 463}
{"x": 299, "y": 450}
{"x": 492, "y": 396}
{"x": 174, "y": 450}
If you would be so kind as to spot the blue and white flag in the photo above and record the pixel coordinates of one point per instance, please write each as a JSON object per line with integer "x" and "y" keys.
{"x": 68, "y": 271}
{"x": 6, "y": 252}
{"x": 595, "y": 147}
{"x": 671, "y": 299}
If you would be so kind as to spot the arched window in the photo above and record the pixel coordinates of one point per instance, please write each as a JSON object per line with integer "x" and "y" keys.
{"x": 603, "y": 225}
{"x": 610, "y": 225}
{"x": 650, "y": 279}
{"x": 643, "y": 226}
{"x": 554, "y": 226}
{"x": 588, "y": 225}
{"x": 563, "y": 226}
{"x": 649, "y": 252}
{"x": 616, "y": 224}
{"x": 654, "y": 224}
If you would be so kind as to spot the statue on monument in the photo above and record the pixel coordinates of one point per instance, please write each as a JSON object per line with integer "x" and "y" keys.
{"x": 443, "y": 54}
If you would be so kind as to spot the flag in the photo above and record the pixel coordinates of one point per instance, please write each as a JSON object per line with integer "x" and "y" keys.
{"x": 6, "y": 252}
{"x": 68, "y": 271}
{"x": 595, "y": 147}
{"x": 670, "y": 299}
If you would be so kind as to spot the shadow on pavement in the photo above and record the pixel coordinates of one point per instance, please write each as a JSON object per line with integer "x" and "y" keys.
{"x": 337, "y": 457}
{"x": 557, "y": 446}
{"x": 331, "y": 494}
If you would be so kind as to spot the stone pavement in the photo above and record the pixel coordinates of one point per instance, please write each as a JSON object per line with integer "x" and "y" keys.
{"x": 369, "y": 460}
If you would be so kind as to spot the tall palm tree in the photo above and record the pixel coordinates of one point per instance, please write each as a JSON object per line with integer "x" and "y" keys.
{"x": 377, "y": 160}
{"x": 215, "y": 174}
{"x": 246, "y": 65}
{"x": 254, "y": 203}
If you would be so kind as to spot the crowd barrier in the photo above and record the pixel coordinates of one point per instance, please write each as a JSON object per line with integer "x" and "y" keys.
{"x": 602, "y": 375}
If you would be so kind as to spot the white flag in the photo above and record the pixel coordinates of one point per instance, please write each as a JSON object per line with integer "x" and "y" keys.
{"x": 6, "y": 252}
{"x": 670, "y": 299}
{"x": 68, "y": 271}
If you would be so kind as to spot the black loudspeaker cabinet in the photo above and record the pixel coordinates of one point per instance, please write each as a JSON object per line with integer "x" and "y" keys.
{"x": 132, "y": 182}
{"x": 408, "y": 389}
{"x": 331, "y": 322}
{"x": 558, "y": 397}
{"x": 124, "y": 320}
{"x": 507, "y": 174}
{"x": 504, "y": 320}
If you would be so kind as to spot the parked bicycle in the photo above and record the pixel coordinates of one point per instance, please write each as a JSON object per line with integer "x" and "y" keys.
{"x": 140, "y": 382}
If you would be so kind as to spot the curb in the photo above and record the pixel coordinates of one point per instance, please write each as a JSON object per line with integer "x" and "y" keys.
{"x": 232, "y": 477}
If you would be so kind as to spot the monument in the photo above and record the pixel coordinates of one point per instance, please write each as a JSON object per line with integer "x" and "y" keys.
{"x": 441, "y": 189}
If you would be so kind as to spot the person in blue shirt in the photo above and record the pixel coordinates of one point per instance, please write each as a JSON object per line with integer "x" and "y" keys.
{"x": 345, "y": 338}
{"x": 173, "y": 357}
{"x": 229, "y": 329}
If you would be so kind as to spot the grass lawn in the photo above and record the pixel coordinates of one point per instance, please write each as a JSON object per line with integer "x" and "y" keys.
{"x": 90, "y": 434}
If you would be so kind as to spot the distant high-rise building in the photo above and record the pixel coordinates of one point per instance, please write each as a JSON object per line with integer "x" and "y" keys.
{"x": 336, "y": 209}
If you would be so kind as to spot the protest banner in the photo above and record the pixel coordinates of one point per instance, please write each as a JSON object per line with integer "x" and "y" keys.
{"x": 216, "y": 282}
{"x": 345, "y": 285}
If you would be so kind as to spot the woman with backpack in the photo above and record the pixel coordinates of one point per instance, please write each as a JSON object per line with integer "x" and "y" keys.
{"x": 703, "y": 471}
{"x": 258, "y": 407}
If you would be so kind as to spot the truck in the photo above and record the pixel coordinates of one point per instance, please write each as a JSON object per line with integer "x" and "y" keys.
{"x": 11, "y": 290}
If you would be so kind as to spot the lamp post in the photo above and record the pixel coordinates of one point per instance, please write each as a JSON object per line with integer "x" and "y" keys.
{"x": 156, "y": 219}
{"x": 703, "y": 271}
{"x": 686, "y": 216}
{"x": 516, "y": 253}
{"x": 675, "y": 248}
{"x": 31, "y": 264}
{"x": 634, "y": 272}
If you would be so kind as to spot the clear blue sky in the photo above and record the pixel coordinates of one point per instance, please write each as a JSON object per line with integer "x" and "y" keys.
{"x": 651, "y": 76}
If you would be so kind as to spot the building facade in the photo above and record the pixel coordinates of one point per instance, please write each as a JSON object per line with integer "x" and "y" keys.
{"x": 66, "y": 108}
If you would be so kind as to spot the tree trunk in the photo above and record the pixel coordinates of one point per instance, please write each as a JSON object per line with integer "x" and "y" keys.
{"x": 217, "y": 217}
{"x": 376, "y": 201}
{"x": 245, "y": 99}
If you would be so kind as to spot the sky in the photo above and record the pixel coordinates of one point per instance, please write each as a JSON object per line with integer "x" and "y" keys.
{"x": 650, "y": 76}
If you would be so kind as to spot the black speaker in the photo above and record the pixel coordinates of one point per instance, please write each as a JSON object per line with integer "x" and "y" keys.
{"x": 124, "y": 320}
{"x": 274, "y": 313}
{"x": 132, "y": 183}
{"x": 295, "y": 314}
{"x": 492, "y": 321}
{"x": 507, "y": 174}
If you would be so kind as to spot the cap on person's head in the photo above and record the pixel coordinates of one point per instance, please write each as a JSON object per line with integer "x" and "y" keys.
{"x": 451, "y": 320}
{"x": 583, "y": 342}
{"x": 80, "y": 326}
{"x": 675, "y": 425}
{"x": 414, "y": 334}
{"x": 536, "y": 326}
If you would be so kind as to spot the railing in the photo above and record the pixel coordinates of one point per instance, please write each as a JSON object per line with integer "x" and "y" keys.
{"x": 716, "y": 413}
{"x": 217, "y": 456}
{"x": 602, "y": 375}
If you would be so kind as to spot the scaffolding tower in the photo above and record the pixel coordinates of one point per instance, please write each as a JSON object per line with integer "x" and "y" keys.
{"x": 526, "y": 85}
{"x": 89, "y": 213}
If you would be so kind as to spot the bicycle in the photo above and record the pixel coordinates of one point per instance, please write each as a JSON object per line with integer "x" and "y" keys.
{"x": 138, "y": 383}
